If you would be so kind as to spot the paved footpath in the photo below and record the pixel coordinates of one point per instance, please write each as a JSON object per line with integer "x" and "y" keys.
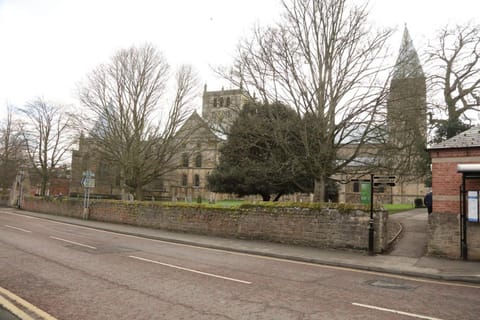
{"x": 422, "y": 266}
{"x": 413, "y": 239}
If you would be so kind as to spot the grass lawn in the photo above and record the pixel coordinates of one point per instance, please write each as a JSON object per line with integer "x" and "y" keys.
{"x": 228, "y": 203}
{"x": 394, "y": 208}
{"x": 391, "y": 208}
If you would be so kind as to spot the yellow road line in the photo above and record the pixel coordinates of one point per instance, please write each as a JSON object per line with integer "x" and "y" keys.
{"x": 26, "y": 304}
{"x": 13, "y": 309}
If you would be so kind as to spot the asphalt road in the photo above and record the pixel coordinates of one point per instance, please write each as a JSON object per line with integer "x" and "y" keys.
{"x": 73, "y": 272}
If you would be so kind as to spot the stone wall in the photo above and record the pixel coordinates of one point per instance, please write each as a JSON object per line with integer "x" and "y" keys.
{"x": 444, "y": 236}
{"x": 323, "y": 228}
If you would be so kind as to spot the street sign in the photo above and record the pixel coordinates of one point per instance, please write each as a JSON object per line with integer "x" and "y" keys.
{"x": 88, "y": 179}
{"x": 384, "y": 180}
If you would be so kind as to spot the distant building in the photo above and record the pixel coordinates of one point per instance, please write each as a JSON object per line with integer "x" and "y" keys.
{"x": 406, "y": 122}
{"x": 220, "y": 108}
{"x": 196, "y": 159}
{"x": 407, "y": 100}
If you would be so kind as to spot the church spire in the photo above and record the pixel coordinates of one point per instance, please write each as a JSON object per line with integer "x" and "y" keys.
{"x": 408, "y": 64}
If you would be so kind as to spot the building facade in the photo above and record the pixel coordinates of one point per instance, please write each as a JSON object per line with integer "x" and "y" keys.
{"x": 406, "y": 128}
{"x": 194, "y": 160}
{"x": 445, "y": 232}
{"x": 220, "y": 108}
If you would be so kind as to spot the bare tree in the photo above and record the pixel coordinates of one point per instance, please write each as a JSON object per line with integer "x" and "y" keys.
{"x": 47, "y": 135}
{"x": 125, "y": 97}
{"x": 323, "y": 59}
{"x": 11, "y": 147}
{"x": 454, "y": 61}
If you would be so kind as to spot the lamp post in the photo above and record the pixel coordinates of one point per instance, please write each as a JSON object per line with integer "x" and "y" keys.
{"x": 371, "y": 229}
{"x": 20, "y": 178}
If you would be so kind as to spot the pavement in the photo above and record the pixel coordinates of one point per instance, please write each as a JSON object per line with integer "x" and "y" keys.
{"x": 408, "y": 258}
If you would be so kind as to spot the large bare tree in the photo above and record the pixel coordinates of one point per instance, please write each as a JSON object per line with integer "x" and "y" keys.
{"x": 47, "y": 134}
{"x": 323, "y": 59}
{"x": 133, "y": 128}
{"x": 11, "y": 150}
{"x": 455, "y": 62}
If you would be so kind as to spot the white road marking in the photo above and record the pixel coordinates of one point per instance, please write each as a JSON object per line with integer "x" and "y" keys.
{"x": 324, "y": 266}
{"x": 73, "y": 242}
{"x": 190, "y": 270}
{"x": 19, "y": 229}
{"x": 413, "y": 315}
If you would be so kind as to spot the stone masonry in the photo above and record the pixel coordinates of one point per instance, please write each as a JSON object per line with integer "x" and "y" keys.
{"x": 322, "y": 228}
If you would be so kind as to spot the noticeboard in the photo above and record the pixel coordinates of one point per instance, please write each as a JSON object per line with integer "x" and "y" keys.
{"x": 472, "y": 213}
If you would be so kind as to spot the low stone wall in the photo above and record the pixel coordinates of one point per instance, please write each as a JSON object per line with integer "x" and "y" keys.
{"x": 323, "y": 228}
{"x": 444, "y": 236}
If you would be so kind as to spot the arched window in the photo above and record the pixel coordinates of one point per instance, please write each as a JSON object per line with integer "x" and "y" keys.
{"x": 198, "y": 161}
{"x": 184, "y": 180}
{"x": 196, "y": 181}
{"x": 214, "y": 102}
{"x": 185, "y": 160}
{"x": 221, "y": 102}
{"x": 228, "y": 102}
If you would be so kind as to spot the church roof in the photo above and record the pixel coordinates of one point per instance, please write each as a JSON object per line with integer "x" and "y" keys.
{"x": 467, "y": 139}
{"x": 408, "y": 64}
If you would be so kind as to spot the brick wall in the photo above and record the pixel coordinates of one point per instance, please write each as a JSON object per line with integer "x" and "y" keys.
{"x": 444, "y": 228}
{"x": 325, "y": 228}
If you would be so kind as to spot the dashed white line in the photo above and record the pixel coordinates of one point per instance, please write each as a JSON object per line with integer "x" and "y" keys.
{"x": 17, "y": 228}
{"x": 190, "y": 270}
{"x": 73, "y": 242}
{"x": 413, "y": 315}
{"x": 439, "y": 282}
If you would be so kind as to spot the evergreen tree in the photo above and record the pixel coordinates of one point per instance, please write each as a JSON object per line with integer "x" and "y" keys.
{"x": 254, "y": 160}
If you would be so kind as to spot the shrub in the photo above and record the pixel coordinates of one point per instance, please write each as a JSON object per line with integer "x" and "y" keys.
{"x": 418, "y": 203}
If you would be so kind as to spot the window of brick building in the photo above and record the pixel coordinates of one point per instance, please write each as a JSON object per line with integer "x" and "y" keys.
{"x": 196, "y": 180}
{"x": 184, "y": 180}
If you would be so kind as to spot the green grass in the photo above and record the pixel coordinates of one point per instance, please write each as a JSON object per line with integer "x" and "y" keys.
{"x": 229, "y": 203}
{"x": 394, "y": 208}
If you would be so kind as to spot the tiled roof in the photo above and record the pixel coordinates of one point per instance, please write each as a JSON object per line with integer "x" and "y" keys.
{"x": 466, "y": 139}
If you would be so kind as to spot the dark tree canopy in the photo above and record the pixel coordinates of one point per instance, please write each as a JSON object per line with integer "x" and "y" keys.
{"x": 455, "y": 59}
{"x": 253, "y": 159}
{"x": 325, "y": 60}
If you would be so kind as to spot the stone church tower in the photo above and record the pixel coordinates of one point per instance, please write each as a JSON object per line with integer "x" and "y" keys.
{"x": 220, "y": 108}
{"x": 406, "y": 106}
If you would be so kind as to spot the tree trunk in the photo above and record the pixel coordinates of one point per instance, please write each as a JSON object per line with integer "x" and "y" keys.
{"x": 43, "y": 187}
{"x": 265, "y": 197}
{"x": 278, "y": 197}
{"x": 319, "y": 190}
{"x": 139, "y": 193}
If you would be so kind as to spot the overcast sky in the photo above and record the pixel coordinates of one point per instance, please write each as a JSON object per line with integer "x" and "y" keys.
{"x": 48, "y": 46}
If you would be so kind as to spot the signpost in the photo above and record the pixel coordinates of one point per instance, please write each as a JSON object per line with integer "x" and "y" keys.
{"x": 88, "y": 182}
{"x": 366, "y": 197}
{"x": 376, "y": 181}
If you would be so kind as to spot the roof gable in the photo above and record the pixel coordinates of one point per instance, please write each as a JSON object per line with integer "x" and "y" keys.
{"x": 467, "y": 139}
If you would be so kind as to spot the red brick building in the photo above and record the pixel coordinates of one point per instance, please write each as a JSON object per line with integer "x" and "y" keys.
{"x": 445, "y": 227}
